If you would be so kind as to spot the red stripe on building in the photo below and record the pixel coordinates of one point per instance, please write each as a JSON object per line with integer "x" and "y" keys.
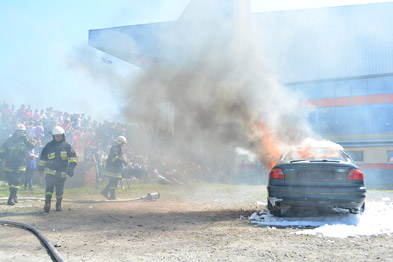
{"x": 376, "y": 99}
{"x": 359, "y": 100}
{"x": 312, "y": 103}
{"x": 346, "y": 101}
{"x": 375, "y": 166}
{"x": 326, "y": 102}
{"x": 389, "y": 98}
{"x": 343, "y": 101}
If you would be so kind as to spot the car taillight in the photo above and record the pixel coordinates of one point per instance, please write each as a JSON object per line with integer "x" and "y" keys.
{"x": 276, "y": 173}
{"x": 355, "y": 174}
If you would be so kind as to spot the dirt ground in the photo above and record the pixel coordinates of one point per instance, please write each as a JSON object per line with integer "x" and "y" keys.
{"x": 188, "y": 223}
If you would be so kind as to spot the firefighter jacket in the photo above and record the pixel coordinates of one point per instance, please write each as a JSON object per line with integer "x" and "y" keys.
{"x": 114, "y": 162}
{"x": 13, "y": 153}
{"x": 57, "y": 157}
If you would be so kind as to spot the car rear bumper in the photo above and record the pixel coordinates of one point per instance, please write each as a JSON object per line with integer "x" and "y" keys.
{"x": 338, "y": 197}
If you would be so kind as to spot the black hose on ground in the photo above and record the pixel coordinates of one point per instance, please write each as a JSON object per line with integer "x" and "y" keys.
{"x": 149, "y": 197}
{"x": 81, "y": 201}
{"x": 55, "y": 255}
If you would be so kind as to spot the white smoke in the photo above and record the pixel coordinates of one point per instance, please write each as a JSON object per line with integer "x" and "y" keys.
{"x": 215, "y": 76}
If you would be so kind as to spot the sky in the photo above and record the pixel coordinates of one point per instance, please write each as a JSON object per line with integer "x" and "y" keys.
{"x": 281, "y": 5}
{"x": 41, "y": 40}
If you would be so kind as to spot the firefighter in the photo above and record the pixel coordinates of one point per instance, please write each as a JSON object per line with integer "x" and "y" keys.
{"x": 113, "y": 167}
{"x": 58, "y": 161}
{"x": 13, "y": 154}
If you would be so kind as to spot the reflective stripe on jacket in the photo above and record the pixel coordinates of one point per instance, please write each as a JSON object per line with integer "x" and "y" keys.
{"x": 57, "y": 157}
{"x": 13, "y": 153}
{"x": 115, "y": 161}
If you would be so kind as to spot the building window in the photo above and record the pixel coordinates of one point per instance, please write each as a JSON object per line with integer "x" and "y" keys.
{"x": 313, "y": 120}
{"x": 388, "y": 83}
{"x": 375, "y": 86}
{"x": 326, "y": 89}
{"x": 381, "y": 118}
{"x": 357, "y": 156}
{"x": 351, "y": 120}
{"x": 358, "y": 87}
{"x": 308, "y": 91}
{"x": 343, "y": 88}
{"x": 327, "y": 120}
{"x": 390, "y": 156}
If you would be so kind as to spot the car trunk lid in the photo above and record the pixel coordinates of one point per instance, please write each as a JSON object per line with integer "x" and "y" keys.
{"x": 316, "y": 172}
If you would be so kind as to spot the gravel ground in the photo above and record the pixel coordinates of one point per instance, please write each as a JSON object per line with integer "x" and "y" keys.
{"x": 188, "y": 223}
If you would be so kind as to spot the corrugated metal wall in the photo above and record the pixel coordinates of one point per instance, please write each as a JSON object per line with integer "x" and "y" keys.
{"x": 335, "y": 42}
{"x": 305, "y": 45}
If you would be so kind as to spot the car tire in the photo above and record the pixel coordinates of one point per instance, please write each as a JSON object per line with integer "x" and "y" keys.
{"x": 358, "y": 210}
{"x": 273, "y": 210}
{"x": 362, "y": 208}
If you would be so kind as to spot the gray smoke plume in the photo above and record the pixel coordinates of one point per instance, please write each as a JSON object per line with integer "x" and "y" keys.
{"x": 214, "y": 75}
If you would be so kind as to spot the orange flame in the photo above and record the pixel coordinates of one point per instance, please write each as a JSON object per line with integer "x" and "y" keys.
{"x": 314, "y": 150}
{"x": 270, "y": 152}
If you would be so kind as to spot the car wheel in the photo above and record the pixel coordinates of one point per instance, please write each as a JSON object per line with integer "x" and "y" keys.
{"x": 273, "y": 210}
{"x": 362, "y": 208}
{"x": 358, "y": 210}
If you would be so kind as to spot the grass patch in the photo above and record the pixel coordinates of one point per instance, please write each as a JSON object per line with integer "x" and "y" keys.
{"x": 37, "y": 192}
{"x": 381, "y": 187}
{"x": 136, "y": 190}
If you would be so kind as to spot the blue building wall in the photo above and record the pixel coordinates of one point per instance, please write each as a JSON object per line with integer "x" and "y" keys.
{"x": 336, "y": 53}
{"x": 364, "y": 118}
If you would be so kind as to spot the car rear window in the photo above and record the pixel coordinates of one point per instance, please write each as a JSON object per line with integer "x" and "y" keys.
{"x": 315, "y": 154}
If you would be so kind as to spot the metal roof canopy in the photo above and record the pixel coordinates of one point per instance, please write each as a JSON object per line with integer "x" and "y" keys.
{"x": 306, "y": 45}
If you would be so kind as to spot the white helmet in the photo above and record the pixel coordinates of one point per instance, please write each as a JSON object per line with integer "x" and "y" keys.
{"x": 20, "y": 127}
{"x": 121, "y": 140}
{"x": 57, "y": 130}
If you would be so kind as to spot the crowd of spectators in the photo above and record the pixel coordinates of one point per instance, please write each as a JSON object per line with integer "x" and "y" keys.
{"x": 81, "y": 131}
{"x": 92, "y": 139}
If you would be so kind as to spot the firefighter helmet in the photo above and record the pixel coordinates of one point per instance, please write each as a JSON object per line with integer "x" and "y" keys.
{"x": 57, "y": 130}
{"x": 121, "y": 140}
{"x": 20, "y": 127}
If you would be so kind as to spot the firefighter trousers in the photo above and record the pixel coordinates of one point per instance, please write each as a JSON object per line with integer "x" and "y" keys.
{"x": 111, "y": 187}
{"x": 14, "y": 180}
{"x": 54, "y": 182}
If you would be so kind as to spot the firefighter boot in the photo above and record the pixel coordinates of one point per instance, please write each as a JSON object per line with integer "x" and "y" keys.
{"x": 58, "y": 204}
{"x": 11, "y": 201}
{"x": 47, "y": 203}
{"x": 112, "y": 195}
{"x": 105, "y": 193}
{"x": 15, "y": 195}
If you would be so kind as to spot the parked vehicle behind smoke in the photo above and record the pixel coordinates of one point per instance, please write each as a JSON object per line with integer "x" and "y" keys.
{"x": 316, "y": 178}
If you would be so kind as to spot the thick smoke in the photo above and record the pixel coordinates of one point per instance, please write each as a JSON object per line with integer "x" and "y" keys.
{"x": 223, "y": 92}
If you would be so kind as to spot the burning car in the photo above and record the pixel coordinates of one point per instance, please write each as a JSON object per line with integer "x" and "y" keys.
{"x": 318, "y": 176}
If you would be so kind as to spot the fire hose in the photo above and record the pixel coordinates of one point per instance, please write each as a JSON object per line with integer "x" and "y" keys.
{"x": 55, "y": 255}
{"x": 149, "y": 197}
{"x": 53, "y": 252}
